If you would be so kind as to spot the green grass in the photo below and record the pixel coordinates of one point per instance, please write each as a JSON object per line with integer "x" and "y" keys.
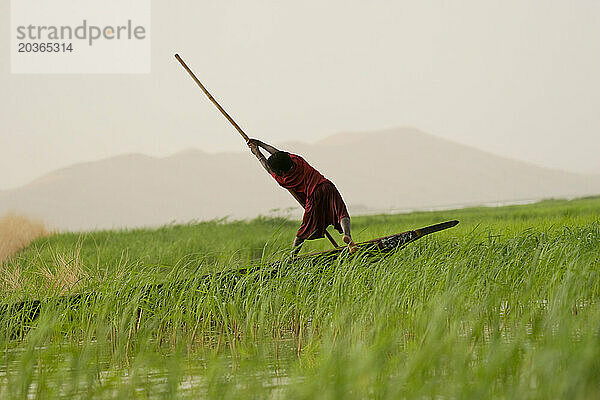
{"x": 505, "y": 305}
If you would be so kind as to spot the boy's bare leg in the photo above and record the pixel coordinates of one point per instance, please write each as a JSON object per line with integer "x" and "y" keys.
{"x": 345, "y": 223}
{"x": 297, "y": 246}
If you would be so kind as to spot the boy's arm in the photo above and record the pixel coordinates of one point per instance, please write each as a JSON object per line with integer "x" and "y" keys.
{"x": 252, "y": 143}
{"x": 266, "y": 146}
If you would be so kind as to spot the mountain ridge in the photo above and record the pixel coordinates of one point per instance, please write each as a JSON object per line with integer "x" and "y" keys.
{"x": 391, "y": 169}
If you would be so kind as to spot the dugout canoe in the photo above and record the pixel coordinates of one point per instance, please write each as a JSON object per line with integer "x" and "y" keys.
{"x": 371, "y": 248}
{"x": 29, "y": 310}
{"x": 385, "y": 244}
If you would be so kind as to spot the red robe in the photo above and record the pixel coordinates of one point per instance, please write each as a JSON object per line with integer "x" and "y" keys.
{"x": 323, "y": 204}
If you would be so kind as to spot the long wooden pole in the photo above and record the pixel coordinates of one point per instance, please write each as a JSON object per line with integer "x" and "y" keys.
{"x": 237, "y": 127}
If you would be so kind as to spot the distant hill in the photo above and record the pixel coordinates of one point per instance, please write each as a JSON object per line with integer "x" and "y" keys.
{"x": 387, "y": 170}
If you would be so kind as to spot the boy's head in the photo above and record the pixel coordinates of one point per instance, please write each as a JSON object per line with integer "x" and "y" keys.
{"x": 280, "y": 163}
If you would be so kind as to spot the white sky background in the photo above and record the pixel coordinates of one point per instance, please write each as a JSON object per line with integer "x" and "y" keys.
{"x": 517, "y": 78}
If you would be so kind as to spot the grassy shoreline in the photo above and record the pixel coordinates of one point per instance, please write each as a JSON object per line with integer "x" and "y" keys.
{"x": 505, "y": 305}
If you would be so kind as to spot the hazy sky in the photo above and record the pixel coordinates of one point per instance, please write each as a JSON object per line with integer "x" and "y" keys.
{"x": 517, "y": 78}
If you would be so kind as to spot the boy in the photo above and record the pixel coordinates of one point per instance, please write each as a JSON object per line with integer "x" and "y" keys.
{"x": 323, "y": 204}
